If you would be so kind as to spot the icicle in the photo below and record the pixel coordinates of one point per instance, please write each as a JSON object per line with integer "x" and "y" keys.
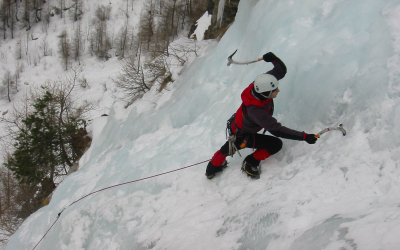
{"x": 221, "y": 6}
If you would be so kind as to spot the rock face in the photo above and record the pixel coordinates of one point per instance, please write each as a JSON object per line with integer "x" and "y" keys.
{"x": 218, "y": 27}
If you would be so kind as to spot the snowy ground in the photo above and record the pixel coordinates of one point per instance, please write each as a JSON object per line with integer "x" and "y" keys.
{"x": 341, "y": 193}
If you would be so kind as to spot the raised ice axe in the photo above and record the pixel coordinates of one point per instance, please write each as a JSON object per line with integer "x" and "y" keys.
{"x": 230, "y": 60}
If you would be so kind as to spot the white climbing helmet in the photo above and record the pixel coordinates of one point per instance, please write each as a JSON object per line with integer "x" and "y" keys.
{"x": 265, "y": 82}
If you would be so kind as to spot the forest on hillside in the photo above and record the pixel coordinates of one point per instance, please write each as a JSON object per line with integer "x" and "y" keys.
{"x": 47, "y": 132}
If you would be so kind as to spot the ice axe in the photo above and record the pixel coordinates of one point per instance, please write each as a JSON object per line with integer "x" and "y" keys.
{"x": 230, "y": 60}
{"x": 330, "y": 129}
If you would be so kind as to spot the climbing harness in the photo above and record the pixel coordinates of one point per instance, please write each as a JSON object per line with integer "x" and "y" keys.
{"x": 233, "y": 135}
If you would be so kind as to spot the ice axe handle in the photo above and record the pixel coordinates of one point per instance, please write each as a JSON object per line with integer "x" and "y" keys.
{"x": 330, "y": 129}
{"x": 230, "y": 60}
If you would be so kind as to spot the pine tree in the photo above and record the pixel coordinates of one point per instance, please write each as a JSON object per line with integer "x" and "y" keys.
{"x": 43, "y": 148}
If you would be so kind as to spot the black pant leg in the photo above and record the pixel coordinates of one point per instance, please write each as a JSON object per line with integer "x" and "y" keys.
{"x": 271, "y": 143}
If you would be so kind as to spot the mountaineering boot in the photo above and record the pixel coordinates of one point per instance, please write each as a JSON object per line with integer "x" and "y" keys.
{"x": 252, "y": 167}
{"x": 212, "y": 170}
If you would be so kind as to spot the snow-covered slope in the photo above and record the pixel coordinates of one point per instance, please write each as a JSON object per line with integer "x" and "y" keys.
{"x": 341, "y": 193}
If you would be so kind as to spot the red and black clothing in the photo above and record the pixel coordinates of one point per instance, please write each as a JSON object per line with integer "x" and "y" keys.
{"x": 253, "y": 115}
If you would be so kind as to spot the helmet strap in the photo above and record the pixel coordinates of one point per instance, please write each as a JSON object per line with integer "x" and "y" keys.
{"x": 268, "y": 96}
{"x": 260, "y": 96}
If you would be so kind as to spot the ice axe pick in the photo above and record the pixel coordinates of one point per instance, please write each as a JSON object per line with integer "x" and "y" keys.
{"x": 230, "y": 60}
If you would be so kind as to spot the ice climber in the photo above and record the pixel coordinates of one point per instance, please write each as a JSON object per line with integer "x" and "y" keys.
{"x": 254, "y": 114}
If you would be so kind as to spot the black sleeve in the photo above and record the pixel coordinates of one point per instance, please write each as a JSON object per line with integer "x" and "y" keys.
{"x": 285, "y": 135}
{"x": 279, "y": 70}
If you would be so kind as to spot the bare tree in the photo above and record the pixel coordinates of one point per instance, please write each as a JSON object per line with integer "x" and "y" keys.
{"x": 13, "y": 18}
{"x": 64, "y": 48}
{"x": 158, "y": 71}
{"x": 167, "y": 27}
{"x": 131, "y": 79}
{"x": 77, "y": 9}
{"x": 77, "y": 43}
{"x": 124, "y": 39}
{"x": 100, "y": 43}
{"x": 26, "y": 16}
{"x": 172, "y": 8}
{"x": 61, "y": 6}
{"x": 189, "y": 7}
{"x": 47, "y": 14}
{"x": 162, "y": 38}
{"x": 44, "y": 46}
{"x": 8, "y": 87}
{"x": 18, "y": 69}
{"x": 8, "y": 17}
{"x": 37, "y": 8}
{"x": 18, "y": 48}
{"x": 146, "y": 25}
{"x": 173, "y": 14}
{"x": 9, "y": 206}
{"x": 4, "y": 17}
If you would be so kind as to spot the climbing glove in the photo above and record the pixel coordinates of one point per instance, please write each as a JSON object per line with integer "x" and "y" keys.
{"x": 310, "y": 138}
{"x": 269, "y": 57}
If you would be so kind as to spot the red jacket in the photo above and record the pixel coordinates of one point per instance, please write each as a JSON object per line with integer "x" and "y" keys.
{"x": 259, "y": 115}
